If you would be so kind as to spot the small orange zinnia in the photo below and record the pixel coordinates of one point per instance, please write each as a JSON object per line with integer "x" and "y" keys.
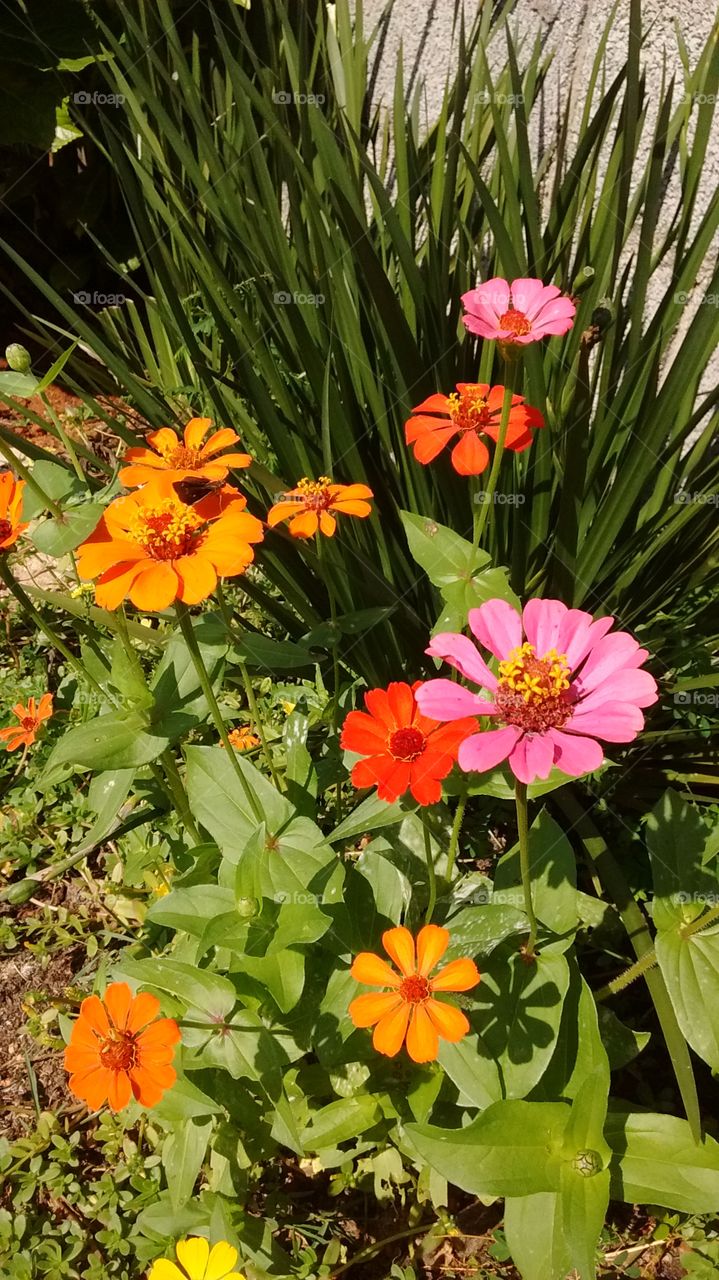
{"x": 155, "y": 549}
{"x": 118, "y": 1051}
{"x": 409, "y": 1009}
{"x": 176, "y": 458}
{"x": 11, "y": 492}
{"x": 309, "y": 506}
{"x": 242, "y": 738}
{"x": 30, "y": 719}
{"x": 472, "y": 411}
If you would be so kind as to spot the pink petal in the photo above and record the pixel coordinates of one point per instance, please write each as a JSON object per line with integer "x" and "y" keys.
{"x": 460, "y": 652}
{"x": 636, "y": 687}
{"x": 613, "y": 721}
{"x": 480, "y": 327}
{"x": 542, "y": 621}
{"x": 578, "y": 635}
{"x": 575, "y": 755}
{"x": 555, "y": 311}
{"x": 608, "y": 655}
{"x": 532, "y": 757}
{"x": 530, "y": 296}
{"x": 497, "y": 626}
{"x": 445, "y": 700}
{"x": 484, "y": 751}
{"x": 552, "y": 329}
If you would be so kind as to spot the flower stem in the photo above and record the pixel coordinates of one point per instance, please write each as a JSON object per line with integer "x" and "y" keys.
{"x": 179, "y": 795}
{"x": 431, "y": 875}
{"x": 28, "y": 607}
{"x": 249, "y": 693}
{"x": 454, "y": 838}
{"x": 327, "y": 579}
{"x": 25, "y": 474}
{"x": 64, "y": 437}
{"x": 520, "y": 796}
{"x": 641, "y": 966}
{"x": 190, "y": 639}
{"x": 482, "y": 516}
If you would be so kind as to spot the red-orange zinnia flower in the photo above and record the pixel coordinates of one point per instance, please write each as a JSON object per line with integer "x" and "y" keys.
{"x": 473, "y": 410}
{"x": 176, "y": 458}
{"x": 405, "y": 750}
{"x": 409, "y": 1008}
{"x": 30, "y": 718}
{"x": 11, "y": 491}
{"x": 242, "y": 738}
{"x": 309, "y": 506}
{"x": 117, "y": 1051}
{"x": 155, "y": 549}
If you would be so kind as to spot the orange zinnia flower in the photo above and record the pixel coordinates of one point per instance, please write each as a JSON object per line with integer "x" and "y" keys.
{"x": 243, "y": 739}
{"x": 11, "y": 491}
{"x": 405, "y": 750}
{"x": 410, "y": 1008}
{"x": 155, "y": 549}
{"x": 114, "y": 1055}
{"x": 169, "y": 455}
{"x": 30, "y": 717}
{"x": 308, "y": 507}
{"x": 473, "y": 410}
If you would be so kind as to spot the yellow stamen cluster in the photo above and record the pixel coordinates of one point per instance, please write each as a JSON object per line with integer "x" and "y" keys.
{"x": 167, "y": 530}
{"x": 315, "y": 494}
{"x": 179, "y": 456}
{"x": 468, "y": 410}
{"x": 535, "y": 679}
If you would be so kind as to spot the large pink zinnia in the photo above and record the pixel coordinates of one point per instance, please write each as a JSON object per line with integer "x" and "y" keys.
{"x": 522, "y": 311}
{"x": 555, "y": 692}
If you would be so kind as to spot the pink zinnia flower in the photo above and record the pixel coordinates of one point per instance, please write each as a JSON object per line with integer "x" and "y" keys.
{"x": 562, "y": 682}
{"x": 522, "y": 311}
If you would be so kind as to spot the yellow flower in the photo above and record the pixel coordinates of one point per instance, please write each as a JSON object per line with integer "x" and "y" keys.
{"x": 197, "y": 1262}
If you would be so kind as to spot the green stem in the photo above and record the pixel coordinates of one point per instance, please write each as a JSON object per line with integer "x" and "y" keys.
{"x": 632, "y": 917}
{"x": 327, "y": 579}
{"x": 25, "y": 474}
{"x": 190, "y": 638}
{"x": 431, "y": 876}
{"x": 377, "y": 1247}
{"x": 641, "y": 966}
{"x": 257, "y": 725}
{"x": 28, "y": 607}
{"x": 488, "y": 500}
{"x": 179, "y": 795}
{"x": 703, "y": 922}
{"x": 67, "y": 442}
{"x": 520, "y": 796}
{"x": 454, "y": 838}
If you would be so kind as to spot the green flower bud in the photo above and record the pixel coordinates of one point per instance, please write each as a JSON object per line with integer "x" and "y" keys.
{"x": 18, "y": 358}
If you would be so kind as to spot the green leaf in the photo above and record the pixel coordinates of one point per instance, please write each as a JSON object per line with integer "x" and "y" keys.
{"x": 445, "y": 557}
{"x": 183, "y": 1154}
{"x": 228, "y": 810}
{"x": 179, "y": 701}
{"x": 370, "y": 815}
{"x": 22, "y": 386}
{"x": 116, "y": 740}
{"x": 473, "y": 1070}
{"x": 534, "y": 1229}
{"x": 511, "y": 1149}
{"x": 554, "y": 875}
{"x": 282, "y": 975}
{"x": 690, "y": 967}
{"x": 339, "y": 1121}
{"x": 677, "y": 840}
{"x": 459, "y": 597}
{"x": 57, "y": 537}
{"x": 656, "y": 1161}
{"x": 208, "y": 991}
{"x": 271, "y": 655}
{"x": 190, "y": 909}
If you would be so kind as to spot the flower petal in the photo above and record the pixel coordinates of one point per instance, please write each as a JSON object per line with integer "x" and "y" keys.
{"x": 389, "y": 1033}
{"x": 222, "y": 1259}
{"x": 449, "y": 1021}
{"x": 432, "y": 942}
{"x": 484, "y": 751}
{"x": 497, "y": 626}
{"x": 444, "y": 700}
{"x": 193, "y": 1255}
{"x": 366, "y": 1010}
{"x": 460, "y": 652}
{"x": 470, "y": 456}
{"x": 373, "y": 971}
{"x": 458, "y": 975}
{"x": 422, "y": 1037}
{"x": 575, "y": 755}
{"x": 399, "y": 945}
{"x": 532, "y": 757}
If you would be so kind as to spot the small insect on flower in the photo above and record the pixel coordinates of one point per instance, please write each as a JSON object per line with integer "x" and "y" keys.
{"x": 30, "y": 720}
{"x": 472, "y": 411}
{"x": 521, "y": 312}
{"x": 405, "y": 750}
{"x": 561, "y": 683}
{"x": 242, "y": 738}
{"x": 153, "y": 548}
{"x": 198, "y": 1262}
{"x": 177, "y": 458}
{"x": 409, "y": 1008}
{"x": 309, "y": 507}
{"x": 118, "y": 1051}
{"x": 11, "y": 497}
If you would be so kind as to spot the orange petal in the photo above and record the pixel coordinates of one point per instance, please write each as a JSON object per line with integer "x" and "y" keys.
{"x": 282, "y": 511}
{"x": 348, "y": 507}
{"x": 155, "y": 587}
{"x": 44, "y": 710}
{"x": 94, "y": 1014}
{"x": 366, "y": 1010}
{"x": 148, "y": 1085}
{"x": 450, "y": 1022}
{"x": 432, "y": 942}
{"x": 470, "y": 455}
{"x": 422, "y": 1037}
{"x": 81, "y": 1057}
{"x": 195, "y": 432}
{"x": 328, "y": 524}
{"x": 119, "y": 1091}
{"x": 458, "y": 975}
{"x": 390, "y": 1031}
{"x": 144, "y": 1008}
{"x": 161, "y": 1035}
{"x": 163, "y": 438}
{"x": 91, "y": 1086}
{"x": 218, "y": 441}
{"x": 197, "y": 578}
{"x": 304, "y": 525}
{"x": 118, "y": 1001}
{"x": 113, "y": 586}
{"x": 399, "y": 945}
{"x": 373, "y": 971}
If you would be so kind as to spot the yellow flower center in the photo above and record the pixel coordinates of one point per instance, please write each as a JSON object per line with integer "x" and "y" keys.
{"x": 167, "y": 530}
{"x": 415, "y": 989}
{"x": 469, "y": 410}
{"x": 533, "y": 693}
{"x": 515, "y": 321}
{"x": 180, "y": 457}
{"x": 315, "y": 494}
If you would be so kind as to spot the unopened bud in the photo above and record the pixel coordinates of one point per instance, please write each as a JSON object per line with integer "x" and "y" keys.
{"x": 18, "y": 358}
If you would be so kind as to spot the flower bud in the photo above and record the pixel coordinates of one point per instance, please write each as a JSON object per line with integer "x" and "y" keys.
{"x": 18, "y": 358}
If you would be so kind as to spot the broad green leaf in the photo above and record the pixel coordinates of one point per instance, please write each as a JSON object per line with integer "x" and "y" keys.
{"x": 229, "y": 810}
{"x": 519, "y": 1011}
{"x": 677, "y": 839}
{"x": 445, "y": 557}
{"x": 340, "y": 1121}
{"x": 534, "y": 1229}
{"x": 190, "y": 909}
{"x": 269, "y": 656}
{"x": 179, "y": 701}
{"x": 370, "y": 815}
{"x": 554, "y": 875}
{"x": 56, "y": 538}
{"x": 690, "y": 967}
{"x": 116, "y": 740}
{"x": 656, "y": 1161}
{"x": 21, "y": 386}
{"x": 202, "y": 988}
{"x": 183, "y": 1154}
{"x": 473, "y": 1070}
